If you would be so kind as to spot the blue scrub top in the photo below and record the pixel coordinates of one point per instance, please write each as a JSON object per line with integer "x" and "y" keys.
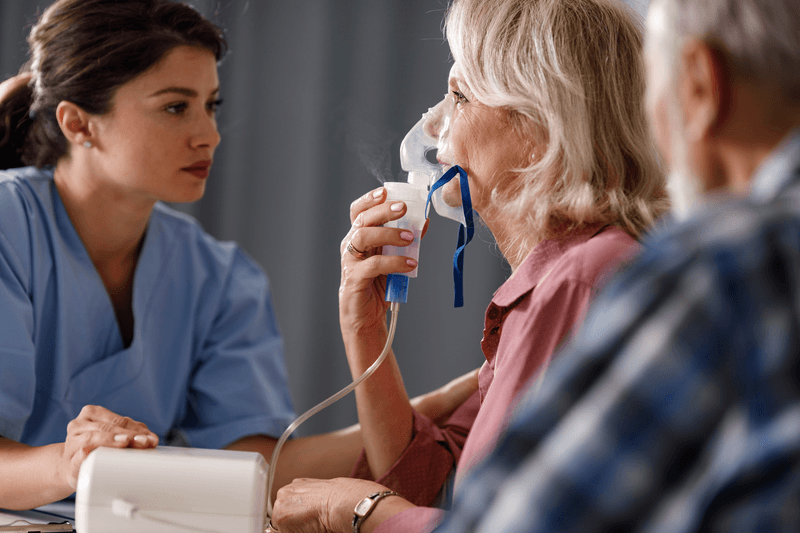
{"x": 206, "y": 364}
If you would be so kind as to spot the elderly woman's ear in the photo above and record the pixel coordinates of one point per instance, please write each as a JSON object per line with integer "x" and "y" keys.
{"x": 531, "y": 131}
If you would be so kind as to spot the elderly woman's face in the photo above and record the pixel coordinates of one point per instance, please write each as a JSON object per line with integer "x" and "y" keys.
{"x": 478, "y": 138}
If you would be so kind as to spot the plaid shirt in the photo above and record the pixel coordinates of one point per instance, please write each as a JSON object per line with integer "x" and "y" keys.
{"x": 677, "y": 408}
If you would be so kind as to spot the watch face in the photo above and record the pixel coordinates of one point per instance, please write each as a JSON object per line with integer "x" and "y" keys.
{"x": 364, "y": 506}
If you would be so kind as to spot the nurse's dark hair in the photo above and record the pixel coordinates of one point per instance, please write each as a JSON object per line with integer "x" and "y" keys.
{"x": 82, "y": 51}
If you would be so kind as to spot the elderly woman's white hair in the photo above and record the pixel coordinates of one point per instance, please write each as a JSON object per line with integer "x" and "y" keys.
{"x": 574, "y": 68}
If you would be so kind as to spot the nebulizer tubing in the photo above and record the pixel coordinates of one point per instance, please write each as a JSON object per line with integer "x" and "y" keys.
{"x": 394, "y": 308}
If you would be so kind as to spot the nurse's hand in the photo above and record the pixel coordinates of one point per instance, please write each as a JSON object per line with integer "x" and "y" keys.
{"x": 320, "y": 505}
{"x": 362, "y": 309}
{"x": 96, "y": 427}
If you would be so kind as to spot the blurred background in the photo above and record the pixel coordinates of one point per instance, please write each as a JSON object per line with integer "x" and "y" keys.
{"x": 318, "y": 95}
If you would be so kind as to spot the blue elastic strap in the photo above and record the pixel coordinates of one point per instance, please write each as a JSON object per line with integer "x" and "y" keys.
{"x": 464, "y": 233}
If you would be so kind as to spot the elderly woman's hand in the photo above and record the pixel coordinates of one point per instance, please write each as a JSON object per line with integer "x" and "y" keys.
{"x": 362, "y": 309}
{"x": 320, "y": 505}
{"x": 438, "y": 405}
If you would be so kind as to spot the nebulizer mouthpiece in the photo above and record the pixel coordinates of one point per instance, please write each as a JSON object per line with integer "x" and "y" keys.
{"x": 425, "y": 181}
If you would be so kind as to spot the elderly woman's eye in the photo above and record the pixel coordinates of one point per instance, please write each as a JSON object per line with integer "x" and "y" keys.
{"x": 460, "y": 98}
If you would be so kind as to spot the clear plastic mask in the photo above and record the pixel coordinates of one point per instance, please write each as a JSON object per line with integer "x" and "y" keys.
{"x": 418, "y": 146}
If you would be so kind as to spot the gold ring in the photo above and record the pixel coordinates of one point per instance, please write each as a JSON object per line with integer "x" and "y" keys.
{"x": 356, "y": 253}
{"x": 271, "y": 528}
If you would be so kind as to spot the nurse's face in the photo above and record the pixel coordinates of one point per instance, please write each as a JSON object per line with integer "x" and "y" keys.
{"x": 480, "y": 139}
{"x": 158, "y": 140}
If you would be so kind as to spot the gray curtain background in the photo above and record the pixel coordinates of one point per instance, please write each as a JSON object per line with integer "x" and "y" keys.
{"x": 318, "y": 95}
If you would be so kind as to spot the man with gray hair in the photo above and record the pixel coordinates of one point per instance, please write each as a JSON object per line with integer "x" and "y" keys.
{"x": 677, "y": 408}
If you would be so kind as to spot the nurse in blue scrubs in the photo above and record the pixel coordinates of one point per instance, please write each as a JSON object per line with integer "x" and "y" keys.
{"x": 122, "y": 323}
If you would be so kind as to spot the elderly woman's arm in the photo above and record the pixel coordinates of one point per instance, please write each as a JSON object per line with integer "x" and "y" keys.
{"x": 334, "y": 454}
{"x": 384, "y": 411}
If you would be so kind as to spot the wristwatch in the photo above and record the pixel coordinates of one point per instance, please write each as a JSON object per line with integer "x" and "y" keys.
{"x": 365, "y": 507}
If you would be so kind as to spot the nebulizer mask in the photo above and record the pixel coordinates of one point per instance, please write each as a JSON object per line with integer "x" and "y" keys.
{"x": 426, "y": 179}
{"x": 424, "y": 187}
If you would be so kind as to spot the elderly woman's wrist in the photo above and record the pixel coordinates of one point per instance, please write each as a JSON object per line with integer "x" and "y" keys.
{"x": 384, "y": 509}
{"x": 364, "y": 336}
{"x": 361, "y": 353}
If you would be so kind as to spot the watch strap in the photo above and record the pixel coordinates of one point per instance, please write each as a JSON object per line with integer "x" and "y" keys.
{"x": 365, "y": 507}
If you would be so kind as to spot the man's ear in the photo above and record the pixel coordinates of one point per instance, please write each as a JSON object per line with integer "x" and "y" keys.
{"x": 74, "y": 123}
{"x": 701, "y": 89}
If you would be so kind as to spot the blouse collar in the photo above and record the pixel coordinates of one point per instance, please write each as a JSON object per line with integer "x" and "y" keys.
{"x": 540, "y": 262}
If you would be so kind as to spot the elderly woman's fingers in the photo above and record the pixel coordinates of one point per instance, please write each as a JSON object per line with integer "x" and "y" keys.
{"x": 359, "y": 274}
{"x": 380, "y": 214}
{"x": 362, "y": 273}
{"x": 371, "y": 199}
{"x": 367, "y": 239}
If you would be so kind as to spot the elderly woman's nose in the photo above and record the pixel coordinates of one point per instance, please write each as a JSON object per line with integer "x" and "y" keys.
{"x": 433, "y": 124}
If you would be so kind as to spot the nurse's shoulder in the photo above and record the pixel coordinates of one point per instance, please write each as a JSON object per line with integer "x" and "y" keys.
{"x": 24, "y": 194}
{"x": 24, "y": 189}
{"x": 221, "y": 260}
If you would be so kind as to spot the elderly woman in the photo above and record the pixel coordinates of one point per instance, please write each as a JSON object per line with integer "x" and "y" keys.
{"x": 544, "y": 112}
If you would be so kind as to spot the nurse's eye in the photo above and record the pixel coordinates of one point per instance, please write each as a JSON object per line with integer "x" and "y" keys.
{"x": 213, "y": 106}
{"x": 460, "y": 98}
{"x": 177, "y": 108}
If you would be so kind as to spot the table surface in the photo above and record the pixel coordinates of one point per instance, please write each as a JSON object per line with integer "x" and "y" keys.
{"x": 52, "y": 513}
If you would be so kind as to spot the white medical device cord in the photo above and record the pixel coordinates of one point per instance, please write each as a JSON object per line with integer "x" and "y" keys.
{"x": 394, "y": 308}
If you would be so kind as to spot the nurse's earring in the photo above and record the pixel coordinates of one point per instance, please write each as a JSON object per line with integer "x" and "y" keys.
{"x": 87, "y": 144}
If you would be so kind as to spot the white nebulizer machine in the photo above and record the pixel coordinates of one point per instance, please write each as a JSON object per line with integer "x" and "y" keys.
{"x": 169, "y": 489}
{"x": 180, "y": 489}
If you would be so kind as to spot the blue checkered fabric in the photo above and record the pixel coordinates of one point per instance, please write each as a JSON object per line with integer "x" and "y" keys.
{"x": 677, "y": 406}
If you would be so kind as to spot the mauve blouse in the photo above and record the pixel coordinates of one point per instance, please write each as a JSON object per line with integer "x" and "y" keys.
{"x": 530, "y": 316}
